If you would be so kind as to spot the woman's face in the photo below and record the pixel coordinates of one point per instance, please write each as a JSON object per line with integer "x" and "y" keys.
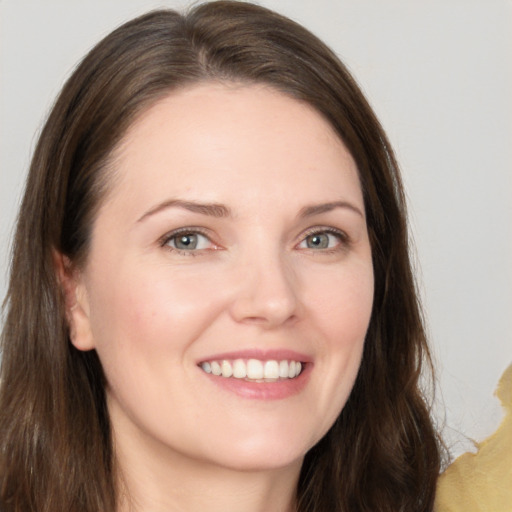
{"x": 233, "y": 239}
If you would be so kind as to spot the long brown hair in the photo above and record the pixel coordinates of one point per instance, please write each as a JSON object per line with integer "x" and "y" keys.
{"x": 56, "y": 449}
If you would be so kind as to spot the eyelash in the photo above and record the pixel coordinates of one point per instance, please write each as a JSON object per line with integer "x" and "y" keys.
{"x": 317, "y": 230}
{"x": 166, "y": 239}
{"x": 342, "y": 237}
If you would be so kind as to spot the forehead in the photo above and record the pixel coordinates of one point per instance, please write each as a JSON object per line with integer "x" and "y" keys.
{"x": 211, "y": 139}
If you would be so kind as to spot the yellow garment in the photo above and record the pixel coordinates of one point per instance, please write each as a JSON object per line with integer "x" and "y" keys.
{"x": 482, "y": 481}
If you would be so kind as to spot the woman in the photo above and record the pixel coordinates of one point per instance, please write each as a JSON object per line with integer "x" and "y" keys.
{"x": 211, "y": 302}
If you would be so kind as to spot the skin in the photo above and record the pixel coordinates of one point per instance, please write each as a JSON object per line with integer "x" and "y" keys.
{"x": 256, "y": 281}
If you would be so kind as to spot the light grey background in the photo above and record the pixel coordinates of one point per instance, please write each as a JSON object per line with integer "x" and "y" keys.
{"x": 439, "y": 75}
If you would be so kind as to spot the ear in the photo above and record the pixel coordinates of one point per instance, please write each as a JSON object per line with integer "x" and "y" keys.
{"x": 76, "y": 302}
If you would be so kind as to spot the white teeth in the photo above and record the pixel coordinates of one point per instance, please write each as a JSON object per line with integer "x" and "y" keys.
{"x": 227, "y": 370}
{"x": 239, "y": 369}
{"x": 271, "y": 370}
{"x": 253, "y": 369}
{"x": 283, "y": 369}
{"x": 216, "y": 370}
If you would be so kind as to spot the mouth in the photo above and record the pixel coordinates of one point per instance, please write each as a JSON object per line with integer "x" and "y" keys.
{"x": 254, "y": 370}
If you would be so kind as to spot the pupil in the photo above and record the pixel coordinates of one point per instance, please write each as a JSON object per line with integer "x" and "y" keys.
{"x": 186, "y": 242}
{"x": 318, "y": 241}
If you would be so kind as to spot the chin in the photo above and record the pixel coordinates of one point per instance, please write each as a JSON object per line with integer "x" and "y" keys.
{"x": 259, "y": 453}
{"x": 250, "y": 462}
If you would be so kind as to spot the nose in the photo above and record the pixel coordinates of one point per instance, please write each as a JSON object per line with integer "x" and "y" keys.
{"x": 267, "y": 292}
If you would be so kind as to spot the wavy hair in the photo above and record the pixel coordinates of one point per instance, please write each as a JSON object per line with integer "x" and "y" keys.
{"x": 382, "y": 453}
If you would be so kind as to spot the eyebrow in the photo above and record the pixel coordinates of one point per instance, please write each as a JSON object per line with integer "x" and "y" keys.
{"x": 219, "y": 210}
{"x": 317, "y": 209}
{"x": 211, "y": 209}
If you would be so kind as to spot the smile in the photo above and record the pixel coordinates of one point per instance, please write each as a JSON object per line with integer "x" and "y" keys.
{"x": 254, "y": 369}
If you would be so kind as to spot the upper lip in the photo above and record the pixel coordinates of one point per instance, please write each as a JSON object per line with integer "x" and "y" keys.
{"x": 261, "y": 354}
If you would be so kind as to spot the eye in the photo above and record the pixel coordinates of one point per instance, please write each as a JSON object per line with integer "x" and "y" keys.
{"x": 322, "y": 239}
{"x": 187, "y": 241}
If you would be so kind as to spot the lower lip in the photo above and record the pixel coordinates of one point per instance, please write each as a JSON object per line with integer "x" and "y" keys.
{"x": 277, "y": 390}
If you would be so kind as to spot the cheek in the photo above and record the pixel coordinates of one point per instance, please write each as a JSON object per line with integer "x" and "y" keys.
{"x": 342, "y": 304}
{"x": 143, "y": 324}
{"x": 342, "y": 309}
{"x": 146, "y": 308}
